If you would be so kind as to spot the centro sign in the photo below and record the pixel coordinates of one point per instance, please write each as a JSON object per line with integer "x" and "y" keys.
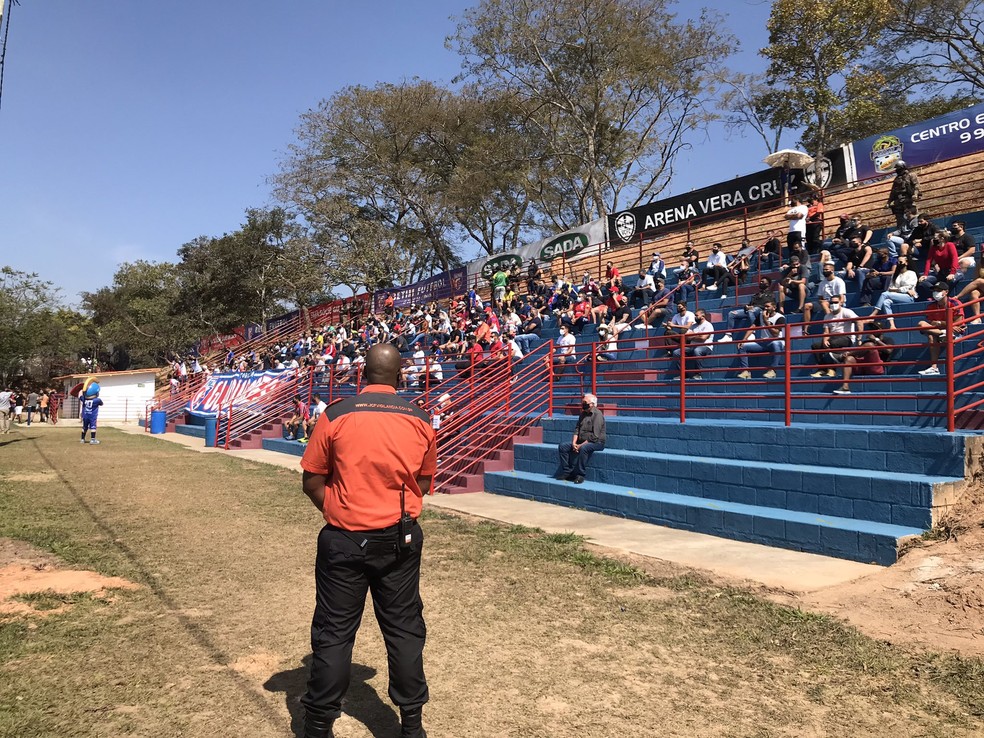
{"x": 566, "y": 245}
{"x": 504, "y": 262}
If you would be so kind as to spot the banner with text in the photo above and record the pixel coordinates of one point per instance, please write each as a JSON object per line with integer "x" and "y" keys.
{"x": 237, "y": 389}
{"x": 946, "y": 137}
{"x": 577, "y": 243}
{"x": 439, "y": 287}
{"x": 750, "y": 193}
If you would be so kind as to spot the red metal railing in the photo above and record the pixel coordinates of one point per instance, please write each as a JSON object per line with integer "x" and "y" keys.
{"x": 174, "y": 403}
{"x": 240, "y": 419}
{"x": 480, "y": 416}
{"x": 637, "y": 375}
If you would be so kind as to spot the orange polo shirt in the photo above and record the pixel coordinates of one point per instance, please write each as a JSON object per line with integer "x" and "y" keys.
{"x": 369, "y": 446}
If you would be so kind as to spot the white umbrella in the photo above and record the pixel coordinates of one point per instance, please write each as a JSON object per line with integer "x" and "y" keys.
{"x": 789, "y": 157}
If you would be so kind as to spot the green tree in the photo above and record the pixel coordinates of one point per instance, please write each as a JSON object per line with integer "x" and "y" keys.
{"x": 609, "y": 93}
{"x": 35, "y": 330}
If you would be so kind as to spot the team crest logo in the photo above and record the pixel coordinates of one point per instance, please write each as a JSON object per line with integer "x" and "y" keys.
{"x": 625, "y": 226}
{"x": 820, "y": 172}
{"x": 885, "y": 152}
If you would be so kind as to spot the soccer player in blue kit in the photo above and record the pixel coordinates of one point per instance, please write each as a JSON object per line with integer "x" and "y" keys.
{"x": 90, "y": 411}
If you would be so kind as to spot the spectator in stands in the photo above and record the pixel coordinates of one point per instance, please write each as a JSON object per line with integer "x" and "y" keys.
{"x": 795, "y": 281}
{"x": 699, "y": 342}
{"x": 838, "y": 327}
{"x": 966, "y": 248}
{"x": 687, "y": 283}
{"x": 920, "y": 237}
{"x": 769, "y": 338}
{"x": 564, "y": 353}
{"x": 901, "y": 290}
{"x": 748, "y": 315}
{"x": 942, "y": 264}
{"x": 796, "y": 215}
{"x": 904, "y": 192}
{"x": 896, "y": 239}
{"x": 814, "y": 223}
{"x": 515, "y": 351}
{"x": 318, "y": 406}
{"x": 829, "y": 286}
{"x": 771, "y": 249}
{"x": 499, "y": 281}
{"x": 738, "y": 269}
{"x": 877, "y": 278}
{"x": 615, "y": 304}
{"x": 297, "y": 425}
{"x": 716, "y": 268}
{"x": 855, "y": 256}
{"x": 934, "y": 325}
{"x": 643, "y": 291}
{"x": 589, "y": 437}
{"x": 607, "y": 343}
{"x": 529, "y": 336}
{"x": 659, "y": 309}
{"x": 868, "y": 360}
{"x": 657, "y": 267}
{"x": 612, "y": 276}
{"x": 534, "y": 278}
{"x": 690, "y": 257}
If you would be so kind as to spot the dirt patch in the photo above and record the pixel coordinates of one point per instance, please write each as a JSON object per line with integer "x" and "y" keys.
{"x": 26, "y": 573}
{"x": 41, "y": 476}
{"x": 934, "y": 596}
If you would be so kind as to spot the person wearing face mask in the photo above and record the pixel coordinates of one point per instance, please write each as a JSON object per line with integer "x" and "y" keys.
{"x": 716, "y": 268}
{"x": 698, "y": 341}
{"x": 589, "y": 437}
{"x": 771, "y": 338}
{"x": 838, "y": 324}
{"x": 942, "y": 264}
{"x": 830, "y": 286}
{"x": 749, "y": 314}
{"x": 876, "y": 278}
{"x": 934, "y": 325}
{"x": 902, "y": 289}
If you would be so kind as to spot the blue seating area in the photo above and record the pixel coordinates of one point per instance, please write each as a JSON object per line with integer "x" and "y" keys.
{"x": 803, "y": 487}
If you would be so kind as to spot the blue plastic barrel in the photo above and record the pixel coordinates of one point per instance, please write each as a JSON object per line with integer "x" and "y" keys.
{"x": 158, "y": 421}
{"x": 211, "y": 424}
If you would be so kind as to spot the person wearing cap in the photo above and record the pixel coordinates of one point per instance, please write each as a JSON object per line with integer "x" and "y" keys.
{"x": 657, "y": 267}
{"x": 370, "y": 461}
{"x": 934, "y": 324}
{"x": 658, "y": 309}
{"x": 904, "y": 192}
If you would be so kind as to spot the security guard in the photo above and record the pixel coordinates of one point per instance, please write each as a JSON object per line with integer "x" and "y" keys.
{"x": 367, "y": 466}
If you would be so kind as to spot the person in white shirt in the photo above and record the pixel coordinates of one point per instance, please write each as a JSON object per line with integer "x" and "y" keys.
{"x": 679, "y": 323}
{"x": 699, "y": 342}
{"x": 716, "y": 268}
{"x": 564, "y": 353}
{"x": 642, "y": 293}
{"x": 796, "y": 215}
{"x": 657, "y": 267}
{"x": 830, "y": 286}
{"x": 839, "y": 322}
{"x": 5, "y": 410}
{"x": 769, "y": 337}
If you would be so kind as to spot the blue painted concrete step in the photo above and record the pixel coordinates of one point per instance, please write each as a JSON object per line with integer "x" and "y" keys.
{"x": 858, "y": 540}
{"x": 295, "y": 448}
{"x": 920, "y": 451}
{"x": 197, "y": 431}
{"x": 886, "y": 497}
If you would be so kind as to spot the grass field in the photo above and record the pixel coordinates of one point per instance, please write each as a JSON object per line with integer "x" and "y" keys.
{"x": 529, "y": 634}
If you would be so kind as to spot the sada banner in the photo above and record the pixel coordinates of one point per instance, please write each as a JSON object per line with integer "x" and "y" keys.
{"x": 750, "y": 193}
{"x": 947, "y": 137}
{"x": 577, "y": 243}
{"x": 237, "y": 389}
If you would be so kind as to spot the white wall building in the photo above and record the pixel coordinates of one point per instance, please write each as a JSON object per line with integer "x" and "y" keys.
{"x": 124, "y": 394}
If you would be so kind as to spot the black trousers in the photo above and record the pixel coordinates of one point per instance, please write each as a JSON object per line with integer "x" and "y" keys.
{"x": 345, "y": 570}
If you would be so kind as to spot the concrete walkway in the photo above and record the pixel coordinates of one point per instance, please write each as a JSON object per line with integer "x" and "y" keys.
{"x": 773, "y": 567}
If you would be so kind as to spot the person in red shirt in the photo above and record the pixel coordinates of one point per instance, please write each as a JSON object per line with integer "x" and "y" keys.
{"x": 934, "y": 326}
{"x": 297, "y": 425}
{"x": 943, "y": 256}
{"x": 611, "y": 274}
{"x": 370, "y": 461}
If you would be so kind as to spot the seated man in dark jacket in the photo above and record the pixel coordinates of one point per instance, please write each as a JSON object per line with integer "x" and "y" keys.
{"x": 589, "y": 436}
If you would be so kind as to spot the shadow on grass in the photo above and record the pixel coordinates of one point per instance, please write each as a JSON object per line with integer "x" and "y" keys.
{"x": 361, "y": 701}
{"x": 15, "y": 440}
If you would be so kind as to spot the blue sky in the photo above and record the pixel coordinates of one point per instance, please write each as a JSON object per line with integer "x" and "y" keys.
{"x": 130, "y": 127}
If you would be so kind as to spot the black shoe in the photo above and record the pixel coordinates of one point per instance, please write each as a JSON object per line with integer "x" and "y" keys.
{"x": 318, "y": 727}
{"x": 562, "y": 475}
{"x": 411, "y": 724}
{"x": 578, "y": 480}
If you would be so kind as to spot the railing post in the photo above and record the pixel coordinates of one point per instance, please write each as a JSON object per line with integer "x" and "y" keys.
{"x": 950, "y": 419}
{"x": 787, "y": 384}
{"x": 228, "y": 427}
{"x": 508, "y": 384}
{"x": 594, "y": 369}
{"x": 683, "y": 378}
{"x": 640, "y": 251}
{"x": 550, "y": 378}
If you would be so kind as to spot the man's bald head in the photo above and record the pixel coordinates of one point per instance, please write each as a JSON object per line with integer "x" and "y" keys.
{"x": 383, "y": 365}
